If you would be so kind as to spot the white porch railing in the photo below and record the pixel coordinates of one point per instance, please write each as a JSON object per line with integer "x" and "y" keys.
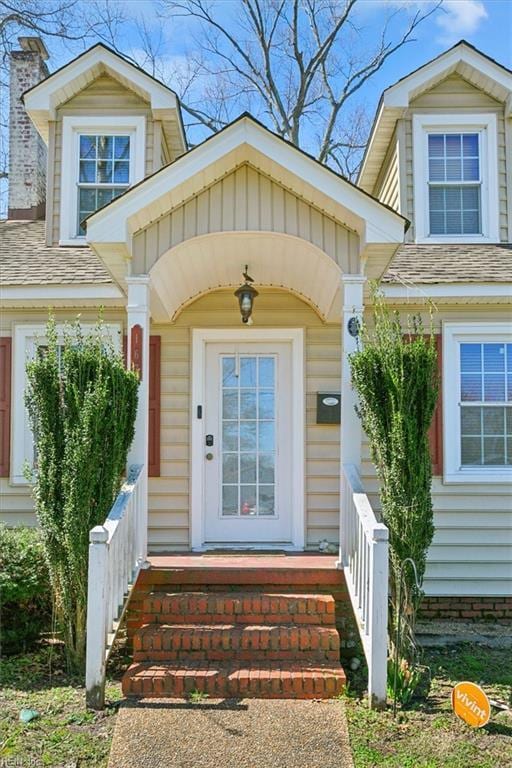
{"x": 116, "y": 552}
{"x": 364, "y": 558}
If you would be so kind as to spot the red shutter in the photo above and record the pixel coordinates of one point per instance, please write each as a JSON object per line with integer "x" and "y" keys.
{"x": 436, "y": 428}
{"x": 154, "y": 404}
{"x": 5, "y": 405}
{"x": 154, "y": 407}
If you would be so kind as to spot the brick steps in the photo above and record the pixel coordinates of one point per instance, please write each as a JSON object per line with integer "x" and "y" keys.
{"x": 234, "y": 634}
{"x": 246, "y": 642}
{"x": 287, "y": 680}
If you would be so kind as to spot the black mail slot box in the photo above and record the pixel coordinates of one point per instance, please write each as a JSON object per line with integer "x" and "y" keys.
{"x": 328, "y": 407}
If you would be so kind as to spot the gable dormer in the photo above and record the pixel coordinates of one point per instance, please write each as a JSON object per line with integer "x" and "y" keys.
{"x": 439, "y": 146}
{"x": 107, "y": 125}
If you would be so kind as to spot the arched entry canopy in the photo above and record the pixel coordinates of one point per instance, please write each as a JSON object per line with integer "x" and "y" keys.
{"x": 213, "y": 261}
{"x": 194, "y": 224}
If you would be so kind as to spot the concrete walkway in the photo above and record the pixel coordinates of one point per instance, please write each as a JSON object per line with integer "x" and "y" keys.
{"x": 248, "y": 733}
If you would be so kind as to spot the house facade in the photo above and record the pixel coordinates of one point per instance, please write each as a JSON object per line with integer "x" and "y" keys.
{"x": 240, "y": 425}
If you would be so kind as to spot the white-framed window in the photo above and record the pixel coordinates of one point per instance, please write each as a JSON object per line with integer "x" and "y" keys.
{"x": 477, "y": 407}
{"x": 28, "y": 339}
{"x": 103, "y": 157}
{"x": 455, "y": 170}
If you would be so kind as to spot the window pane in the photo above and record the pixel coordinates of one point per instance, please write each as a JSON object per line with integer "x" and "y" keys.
{"x": 88, "y": 147}
{"x": 248, "y": 500}
{"x": 470, "y": 169}
{"x": 266, "y": 404}
{"x": 230, "y": 405}
{"x": 105, "y": 147}
{"x": 229, "y": 378}
{"x": 508, "y": 419}
{"x": 471, "y": 450}
{"x": 471, "y": 223}
{"x": 266, "y": 372}
{"x": 471, "y": 420}
{"x": 470, "y": 358}
{"x": 267, "y": 505}
{"x": 87, "y": 199}
{"x": 454, "y": 170}
{"x": 230, "y": 468}
{"x": 494, "y": 450}
{"x": 248, "y": 404}
{"x": 266, "y": 467}
{"x": 87, "y": 171}
{"x": 121, "y": 172}
{"x": 248, "y": 467}
{"x": 494, "y": 387}
{"x": 229, "y": 500}
{"x": 494, "y": 358}
{"x": 436, "y": 145}
{"x": 470, "y": 145}
{"x": 104, "y": 171}
{"x": 247, "y": 435}
{"x": 248, "y": 372}
{"x": 436, "y": 170}
{"x": 266, "y": 437}
{"x": 121, "y": 147}
{"x": 230, "y": 436}
{"x": 494, "y": 421}
{"x": 437, "y": 223}
{"x": 453, "y": 145}
{"x": 470, "y": 387}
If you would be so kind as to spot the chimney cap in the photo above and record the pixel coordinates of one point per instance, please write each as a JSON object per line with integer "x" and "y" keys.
{"x": 34, "y": 45}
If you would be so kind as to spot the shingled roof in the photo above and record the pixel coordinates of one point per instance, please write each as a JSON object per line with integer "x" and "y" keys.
{"x": 455, "y": 263}
{"x": 25, "y": 259}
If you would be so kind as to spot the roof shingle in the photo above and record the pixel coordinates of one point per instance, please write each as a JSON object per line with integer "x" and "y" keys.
{"x": 25, "y": 259}
{"x": 451, "y": 263}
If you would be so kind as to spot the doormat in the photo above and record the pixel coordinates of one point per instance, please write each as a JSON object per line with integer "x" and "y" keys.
{"x": 243, "y": 553}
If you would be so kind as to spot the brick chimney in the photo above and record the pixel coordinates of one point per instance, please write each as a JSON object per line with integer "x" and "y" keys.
{"x": 27, "y": 150}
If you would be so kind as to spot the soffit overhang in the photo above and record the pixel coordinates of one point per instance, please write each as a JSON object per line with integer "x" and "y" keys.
{"x": 463, "y": 59}
{"x": 43, "y": 100}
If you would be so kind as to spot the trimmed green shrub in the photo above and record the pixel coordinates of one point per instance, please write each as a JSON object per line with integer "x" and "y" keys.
{"x": 82, "y": 404}
{"x": 25, "y": 593}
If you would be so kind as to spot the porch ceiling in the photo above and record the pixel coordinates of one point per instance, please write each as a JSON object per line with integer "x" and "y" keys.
{"x": 213, "y": 261}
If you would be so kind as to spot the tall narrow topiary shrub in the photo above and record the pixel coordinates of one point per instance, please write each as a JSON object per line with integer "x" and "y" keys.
{"x": 395, "y": 376}
{"x": 82, "y": 405}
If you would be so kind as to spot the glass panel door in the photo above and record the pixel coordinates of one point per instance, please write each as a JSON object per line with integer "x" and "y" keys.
{"x": 248, "y": 440}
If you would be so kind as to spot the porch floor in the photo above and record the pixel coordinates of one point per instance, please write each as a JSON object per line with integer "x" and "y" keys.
{"x": 244, "y": 561}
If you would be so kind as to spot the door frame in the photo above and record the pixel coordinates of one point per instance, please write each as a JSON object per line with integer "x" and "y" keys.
{"x": 200, "y": 338}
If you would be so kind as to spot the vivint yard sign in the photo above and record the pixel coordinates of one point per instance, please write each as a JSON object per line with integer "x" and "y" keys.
{"x": 471, "y": 704}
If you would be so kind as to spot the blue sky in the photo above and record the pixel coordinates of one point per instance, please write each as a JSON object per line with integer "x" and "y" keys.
{"x": 487, "y": 24}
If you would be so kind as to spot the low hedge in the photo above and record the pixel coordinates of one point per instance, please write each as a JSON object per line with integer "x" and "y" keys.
{"x": 25, "y": 594}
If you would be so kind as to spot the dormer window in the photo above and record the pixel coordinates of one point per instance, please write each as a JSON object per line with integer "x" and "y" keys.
{"x": 455, "y": 178}
{"x": 101, "y": 158}
{"x": 103, "y": 173}
{"x": 454, "y": 184}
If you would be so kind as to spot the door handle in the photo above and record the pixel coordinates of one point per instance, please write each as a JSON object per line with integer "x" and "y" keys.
{"x": 209, "y": 456}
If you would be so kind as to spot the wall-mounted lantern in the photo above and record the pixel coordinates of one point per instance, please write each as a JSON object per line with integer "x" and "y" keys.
{"x": 246, "y": 295}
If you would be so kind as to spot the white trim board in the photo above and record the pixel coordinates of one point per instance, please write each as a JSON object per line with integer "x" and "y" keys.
{"x": 58, "y": 291}
{"x": 200, "y": 338}
{"x": 448, "y": 290}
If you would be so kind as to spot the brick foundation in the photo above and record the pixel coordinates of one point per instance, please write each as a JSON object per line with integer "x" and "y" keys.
{"x": 468, "y": 608}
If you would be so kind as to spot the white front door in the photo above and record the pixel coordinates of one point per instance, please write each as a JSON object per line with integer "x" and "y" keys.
{"x": 248, "y": 436}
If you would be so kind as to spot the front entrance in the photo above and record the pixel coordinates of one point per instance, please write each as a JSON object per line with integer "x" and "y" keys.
{"x": 247, "y": 424}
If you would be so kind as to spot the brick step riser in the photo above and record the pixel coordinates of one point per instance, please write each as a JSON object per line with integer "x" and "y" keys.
{"x": 301, "y": 656}
{"x": 237, "y": 603}
{"x": 260, "y": 684}
{"x": 326, "y": 620}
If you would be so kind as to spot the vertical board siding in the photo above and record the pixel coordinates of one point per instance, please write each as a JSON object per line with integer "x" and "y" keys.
{"x": 169, "y": 494}
{"x": 104, "y": 97}
{"x": 245, "y": 200}
{"x": 452, "y": 95}
{"x": 5, "y": 404}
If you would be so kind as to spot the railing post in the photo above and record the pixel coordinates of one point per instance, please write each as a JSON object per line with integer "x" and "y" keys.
{"x": 96, "y": 618}
{"x": 138, "y": 318}
{"x": 378, "y": 615}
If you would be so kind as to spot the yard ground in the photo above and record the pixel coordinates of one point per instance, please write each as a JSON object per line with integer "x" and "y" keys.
{"x": 426, "y": 736}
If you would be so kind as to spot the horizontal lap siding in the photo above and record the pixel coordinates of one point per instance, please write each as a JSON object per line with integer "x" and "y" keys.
{"x": 452, "y": 95}
{"x": 104, "y": 97}
{"x": 471, "y": 553}
{"x": 388, "y": 184}
{"x": 16, "y": 505}
{"x": 245, "y": 200}
{"x": 169, "y": 494}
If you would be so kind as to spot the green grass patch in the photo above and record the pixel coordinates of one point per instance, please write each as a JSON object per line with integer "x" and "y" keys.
{"x": 65, "y": 733}
{"x": 428, "y": 735}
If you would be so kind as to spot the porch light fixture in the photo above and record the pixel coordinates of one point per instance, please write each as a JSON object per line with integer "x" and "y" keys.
{"x": 246, "y": 295}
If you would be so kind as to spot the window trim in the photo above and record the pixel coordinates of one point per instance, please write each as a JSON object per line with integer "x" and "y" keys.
{"x": 453, "y": 335}
{"x": 72, "y": 127}
{"x": 24, "y": 337}
{"x": 486, "y": 126}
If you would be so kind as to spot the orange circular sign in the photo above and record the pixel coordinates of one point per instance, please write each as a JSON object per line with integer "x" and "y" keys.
{"x": 471, "y": 704}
